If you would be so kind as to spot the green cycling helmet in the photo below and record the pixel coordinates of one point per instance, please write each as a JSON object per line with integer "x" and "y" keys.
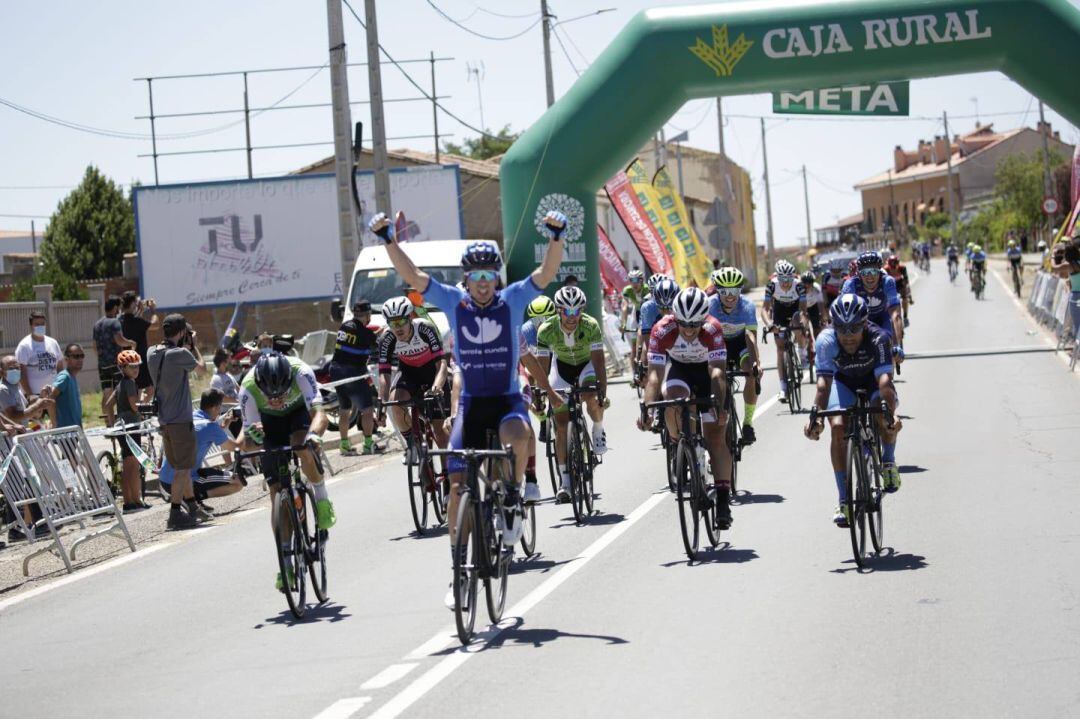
{"x": 727, "y": 277}
{"x": 542, "y": 306}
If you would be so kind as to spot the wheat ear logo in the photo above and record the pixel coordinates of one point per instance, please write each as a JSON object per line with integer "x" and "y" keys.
{"x": 722, "y": 56}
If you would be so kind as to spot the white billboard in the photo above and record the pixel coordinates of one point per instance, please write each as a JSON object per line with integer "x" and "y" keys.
{"x": 270, "y": 240}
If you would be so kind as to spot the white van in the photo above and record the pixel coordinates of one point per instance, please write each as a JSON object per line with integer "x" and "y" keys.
{"x": 375, "y": 279}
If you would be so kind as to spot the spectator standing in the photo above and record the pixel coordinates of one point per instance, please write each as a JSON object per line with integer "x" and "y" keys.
{"x": 40, "y": 359}
{"x": 109, "y": 339}
{"x": 209, "y": 481}
{"x": 13, "y": 404}
{"x": 127, "y": 407}
{"x": 138, "y": 319}
{"x": 355, "y": 347}
{"x": 222, "y": 381}
{"x": 169, "y": 365}
{"x": 66, "y": 388}
{"x": 1065, "y": 263}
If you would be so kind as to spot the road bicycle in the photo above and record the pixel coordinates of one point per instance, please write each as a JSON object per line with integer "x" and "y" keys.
{"x": 1017, "y": 277}
{"x": 149, "y": 455}
{"x": 790, "y": 365}
{"x": 733, "y": 432}
{"x": 954, "y": 269}
{"x": 696, "y": 509}
{"x": 478, "y": 548}
{"x": 978, "y": 283}
{"x": 581, "y": 461}
{"x": 423, "y": 481}
{"x": 300, "y": 544}
{"x": 864, "y": 482}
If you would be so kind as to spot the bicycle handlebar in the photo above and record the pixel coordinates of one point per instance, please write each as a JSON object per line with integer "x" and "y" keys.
{"x": 471, "y": 453}
{"x": 818, "y": 414}
{"x": 681, "y": 401}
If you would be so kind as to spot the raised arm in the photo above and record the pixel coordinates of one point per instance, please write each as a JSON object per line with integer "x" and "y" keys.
{"x": 554, "y": 225}
{"x": 380, "y": 225}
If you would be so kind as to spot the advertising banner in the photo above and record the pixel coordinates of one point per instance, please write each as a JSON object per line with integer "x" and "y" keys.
{"x": 612, "y": 271}
{"x": 270, "y": 240}
{"x": 872, "y": 98}
{"x": 649, "y": 198}
{"x": 677, "y": 218}
{"x": 627, "y": 205}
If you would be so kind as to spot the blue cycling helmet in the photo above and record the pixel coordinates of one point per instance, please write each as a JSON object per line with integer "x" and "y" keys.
{"x": 868, "y": 260}
{"x": 849, "y": 309}
{"x": 665, "y": 291}
{"x": 482, "y": 253}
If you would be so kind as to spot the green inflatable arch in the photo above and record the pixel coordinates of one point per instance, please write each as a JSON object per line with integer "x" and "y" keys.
{"x": 665, "y": 57}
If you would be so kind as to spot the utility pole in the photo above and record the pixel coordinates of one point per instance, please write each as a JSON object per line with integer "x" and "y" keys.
{"x": 948, "y": 157}
{"x": 1048, "y": 185}
{"x": 378, "y": 126}
{"x": 546, "y": 17}
{"x": 343, "y": 160}
{"x": 770, "y": 257}
{"x": 470, "y": 71}
{"x": 806, "y": 199}
{"x": 720, "y": 123}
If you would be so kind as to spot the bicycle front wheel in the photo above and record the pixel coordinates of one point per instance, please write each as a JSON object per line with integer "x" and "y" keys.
{"x": 589, "y": 465}
{"x": 289, "y": 540}
{"x": 315, "y": 539}
{"x": 575, "y": 466}
{"x": 110, "y": 470}
{"x": 497, "y": 571}
{"x": 876, "y": 496}
{"x": 552, "y": 460}
{"x": 466, "y": 561}
{"x": 733, "y": 446}
{"x": 528, "y": 530}
{"x": 687, "y": 482}
{"x": 856, "y": 469}
{"x": 795, "y": 381}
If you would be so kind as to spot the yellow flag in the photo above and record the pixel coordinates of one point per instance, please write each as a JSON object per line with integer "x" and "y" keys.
{"x": 677, "y": 221}
{"x": 650, "y": 201}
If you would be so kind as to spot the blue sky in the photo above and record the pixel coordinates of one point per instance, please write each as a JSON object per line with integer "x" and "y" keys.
{"x": 76, "y": 61}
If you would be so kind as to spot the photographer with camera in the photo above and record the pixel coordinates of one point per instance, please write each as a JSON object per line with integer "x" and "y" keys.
{"x": 139, "y": 317}
{"x": 169, "y": 365}
{"x": 1065, "y": 263}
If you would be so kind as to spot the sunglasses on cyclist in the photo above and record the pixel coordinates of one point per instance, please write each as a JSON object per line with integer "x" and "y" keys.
{"x": 481, "y": 275}
{"x": 868, "y": 272}
{"x": 570, "y": 312}
{"x": 398, "y": 322}
{"x": 729, "y": 291}
{"x": 689, "y": 325}
{"x": 786, "y": 278}
{"x": 851, "y": 329}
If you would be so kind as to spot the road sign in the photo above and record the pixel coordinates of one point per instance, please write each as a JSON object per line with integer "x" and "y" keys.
{"x": 1050, "y": 205}
{"x": 871, "y": 98}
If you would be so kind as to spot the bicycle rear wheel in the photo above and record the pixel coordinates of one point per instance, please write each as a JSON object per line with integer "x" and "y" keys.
{"x": 687, "y": 484}
{"x": 552, "y": 460}
{"x": 466, "y": 560}
{"x": 856, "y": 468}
{"x": 110, "y": 470}
{"x": 417, "y": 495}
{"x": 290, "y": 553}
{"x": 497, "y": 572}
{"x": 315, "y": 540}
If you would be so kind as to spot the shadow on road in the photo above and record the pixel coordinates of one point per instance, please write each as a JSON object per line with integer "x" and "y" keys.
{"x": 910, "y": 469}
{"x": 887, "y": 561}
{"x": 596, "y": 520}
{"x": 516, "y": 635}
{"x": 328, "y": 612}
{"x": 430, "y": 532}
{"x": 536, "y": 563}
{"x": 722, "y": 554}
{"x": 747, "y": 497}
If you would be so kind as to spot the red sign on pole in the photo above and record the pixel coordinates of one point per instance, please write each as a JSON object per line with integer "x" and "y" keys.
{"x": 1050, "y": 206}
{"x": 626, "y": 204}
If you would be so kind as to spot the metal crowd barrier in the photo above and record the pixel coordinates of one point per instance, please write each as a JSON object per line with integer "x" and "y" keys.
{"x": 56, "y": 470}
{"x": 1049, "y": 305}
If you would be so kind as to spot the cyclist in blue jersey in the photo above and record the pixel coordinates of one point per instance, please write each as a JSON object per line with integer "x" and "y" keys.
{"x": 874, "y": 286}
{"x": 1015, "y": 257}
{"x": 978, "y": 266}
{"x": 854, "y": 354}
{"x": 738, "y": 318}
{"x": 658, "y": 305}
{"x": 485, "y": 320}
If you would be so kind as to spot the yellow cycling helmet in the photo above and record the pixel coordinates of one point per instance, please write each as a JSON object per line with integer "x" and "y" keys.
{"x": 542, "y": 306}
{"x": 727, "y": 277}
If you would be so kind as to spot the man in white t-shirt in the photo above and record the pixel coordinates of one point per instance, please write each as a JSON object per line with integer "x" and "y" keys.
{"x": 40, "y": 357}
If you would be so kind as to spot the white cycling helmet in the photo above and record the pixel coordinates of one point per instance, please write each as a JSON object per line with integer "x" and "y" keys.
{"x": 397, "y": 308}
{"x": 691, "y": 306}
{"x": 785, "y": 269}
{"x": 570, "y": 298}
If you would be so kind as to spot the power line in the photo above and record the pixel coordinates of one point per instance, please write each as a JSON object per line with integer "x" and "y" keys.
{"x": 415, "y": 84}
{"x": 558, "y": 39}
{"x": 505, "y": 15}
{"x": 469, "y": 30}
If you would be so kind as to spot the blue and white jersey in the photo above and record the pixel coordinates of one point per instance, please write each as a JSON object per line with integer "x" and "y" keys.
{"x": 952, "y": 251}
{"x": 528, "y": 335}
{"x": 879, "y": 302}
{"x": 486, "y": 339}
{"x": 740, "y": 319}
{"x": 978, "y": 258}
{"x": 872, "y": 358}
{"x": 1014, "y": 254}
{"x": 650, "y": 315}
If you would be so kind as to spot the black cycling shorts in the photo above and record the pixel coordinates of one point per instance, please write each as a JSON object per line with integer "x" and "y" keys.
{"x": 784, "y": 313}
{"x": 814, "y": 313}
{"x": 279, "y": 429}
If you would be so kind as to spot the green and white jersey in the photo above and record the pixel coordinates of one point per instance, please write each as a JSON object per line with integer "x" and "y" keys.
{"x": 574, "y": 348}
{"x": 635, "y": 296}
{"x": 304, "y": 392}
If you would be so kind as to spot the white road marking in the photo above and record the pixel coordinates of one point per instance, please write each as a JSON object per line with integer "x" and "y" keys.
{"x": 343, "y": 708}
{"x": 388, "y": 676}
{"x": 81, "y": 574}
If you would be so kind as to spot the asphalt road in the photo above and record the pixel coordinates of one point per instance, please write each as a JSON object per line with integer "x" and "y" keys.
{"x": 973, "y": 612}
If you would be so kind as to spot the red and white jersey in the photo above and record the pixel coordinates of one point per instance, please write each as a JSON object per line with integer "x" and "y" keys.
{"x": 665, "y": 341}
{"x": 424, "y": 346}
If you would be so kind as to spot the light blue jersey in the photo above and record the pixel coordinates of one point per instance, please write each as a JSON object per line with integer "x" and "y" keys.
{"x": 740, "y": 319}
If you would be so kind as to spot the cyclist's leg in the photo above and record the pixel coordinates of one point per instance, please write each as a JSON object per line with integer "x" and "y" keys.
{"x": 840, "y": 397}
{"x": 514, "y": 430}
{"x": 562, "y": 420}
{"x": 676, "y": 385}
{"x": 213, "y": 482}
{"x": 750, "y": 396}
{"x": 587, "y": 378}
{"x": 398, "y": 416}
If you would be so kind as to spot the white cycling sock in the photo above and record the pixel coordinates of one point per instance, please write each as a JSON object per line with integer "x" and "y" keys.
{"x": 319, "y": 489}
{"x": 598, "y": 426}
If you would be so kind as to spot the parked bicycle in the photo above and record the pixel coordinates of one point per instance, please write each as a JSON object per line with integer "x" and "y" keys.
{"x": 691, "y": 459}
{"x": 478, "y": 549}
{"x": 424, "y": 482}
{"x": 864, "y": 483}
{"x": 300, "y": 545}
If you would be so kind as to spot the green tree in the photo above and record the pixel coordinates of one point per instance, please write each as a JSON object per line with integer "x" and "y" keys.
{"x": 23, "y": 291}
{"x": 89, "y": 233}
{"x": 1018, "y": 184}
{"x": 486, "y": 146}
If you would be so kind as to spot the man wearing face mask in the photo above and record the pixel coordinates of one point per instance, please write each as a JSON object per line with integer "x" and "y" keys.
{"x": 39, "y": 357}
{"x": 13, "y": 404}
